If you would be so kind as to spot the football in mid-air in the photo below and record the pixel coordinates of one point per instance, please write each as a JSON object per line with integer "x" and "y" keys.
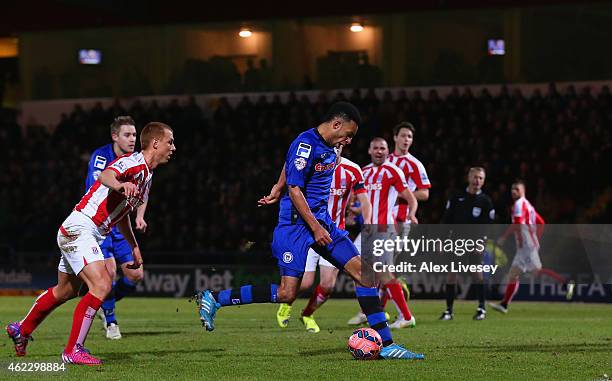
{"x": 365, "y": 344}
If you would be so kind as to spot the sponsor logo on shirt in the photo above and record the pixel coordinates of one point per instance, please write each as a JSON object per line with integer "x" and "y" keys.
{"x": 375, "y": 187}
{"x": 324, "y": 167}
{"x": 337, "y": 192}
{"x": 120, "y": 165}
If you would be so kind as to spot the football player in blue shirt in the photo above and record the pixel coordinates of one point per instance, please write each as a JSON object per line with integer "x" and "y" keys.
{"x": 115, "y": 247}
{"x": 304, "y": 222}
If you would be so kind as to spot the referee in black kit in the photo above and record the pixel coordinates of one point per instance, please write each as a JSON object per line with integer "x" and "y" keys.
{"x": 471, "y": 206}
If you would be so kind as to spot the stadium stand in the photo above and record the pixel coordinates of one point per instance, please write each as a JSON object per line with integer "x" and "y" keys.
{"x": 559, "y": 141}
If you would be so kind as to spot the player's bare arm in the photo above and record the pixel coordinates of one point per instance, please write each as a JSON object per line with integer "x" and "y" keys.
{"x": 421, "y": 194}
{"x": 141, "y": 224}
{"x": 108, "y": 178}
{"x": 275, "y": 192}
{"x": 125, "y": 227}
{"x": 366, "y": 208}
{"x": 513, "y": 228}
{"x": 321, "y": 235}
{"x": 412, "y": 204}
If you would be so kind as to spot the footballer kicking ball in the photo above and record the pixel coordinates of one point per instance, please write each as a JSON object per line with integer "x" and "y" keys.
{"x": 365, "y": 344}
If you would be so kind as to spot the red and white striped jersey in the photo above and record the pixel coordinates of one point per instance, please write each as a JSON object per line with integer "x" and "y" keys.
{"x": 525, "y": 215}
{"x": 347, "y": 178}
{"x": 383, "y": 183}
{"x": 106, "y": 207}
{"x": 415, "y": 173}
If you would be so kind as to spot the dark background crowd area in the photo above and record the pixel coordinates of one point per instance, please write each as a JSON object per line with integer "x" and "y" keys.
{"x": 205, "y": 199}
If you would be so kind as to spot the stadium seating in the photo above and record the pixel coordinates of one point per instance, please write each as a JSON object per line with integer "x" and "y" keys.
{"x": 227, "y": 157}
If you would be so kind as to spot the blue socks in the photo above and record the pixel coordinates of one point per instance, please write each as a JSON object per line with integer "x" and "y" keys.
{"x": 247, "y": 295}
{"x": 121, "y": 289}
{"x": 370, "y": 305}
{"x": 108, "y": 306}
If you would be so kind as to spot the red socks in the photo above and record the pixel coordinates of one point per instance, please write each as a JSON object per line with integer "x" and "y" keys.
{"x": 84, "y": 314}
{"x": 318, "y": 297}
{"x": 511, "y": 289}
{"x": 557, "y": 277}
{"x": 396, "y": 293}
{"x": 43, "y": 306}
{"x": 384, "y": 297}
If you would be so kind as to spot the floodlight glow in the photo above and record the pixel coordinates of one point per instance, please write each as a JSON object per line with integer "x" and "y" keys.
{"x": 245, "y": 32}
{"x": 356, "y": 27}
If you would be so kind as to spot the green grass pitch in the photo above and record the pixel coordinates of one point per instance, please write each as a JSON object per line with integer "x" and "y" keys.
{"x": 164, "y": 340}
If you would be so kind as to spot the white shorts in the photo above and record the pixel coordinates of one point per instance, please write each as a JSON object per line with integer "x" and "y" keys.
{"x": 314, "y": 258}
{"x": 357, "y": 241}
{"x": 527, "y": 259}
{"x": 379, "y": 253}
{"x": 79, "y": 242}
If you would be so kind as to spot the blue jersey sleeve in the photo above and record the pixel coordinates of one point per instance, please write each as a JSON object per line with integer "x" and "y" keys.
{"x": 97, "y": 163}
{"x": 299, "y": 162}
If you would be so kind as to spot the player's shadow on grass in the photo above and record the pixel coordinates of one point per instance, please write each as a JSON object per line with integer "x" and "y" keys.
{"x": 151, "y": 333}
{"x": 322, "y": 352}
{"x": 552, "y": 348}
{"x": 114, "y": 356}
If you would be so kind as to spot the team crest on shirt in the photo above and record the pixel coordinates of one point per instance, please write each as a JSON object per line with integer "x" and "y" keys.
{"x": 300, "y": 163}
{"x": 287, "y": 257}
{"x": 476, "y": 211}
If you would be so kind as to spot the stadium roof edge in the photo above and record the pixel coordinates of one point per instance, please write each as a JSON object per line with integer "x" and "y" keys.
{"x": 75, "y": 14}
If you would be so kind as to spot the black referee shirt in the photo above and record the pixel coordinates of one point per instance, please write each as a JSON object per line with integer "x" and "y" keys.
{"x": 466, "y": 208}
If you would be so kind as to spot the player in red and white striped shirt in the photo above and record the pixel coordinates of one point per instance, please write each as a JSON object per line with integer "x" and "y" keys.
{"x": 347, "y": 180}
{"x": 385, "y": 183}
{"x": 418, "y": 182}
{"x": 120, "y": 189}
{"x": 413, "y": 169}
{"x": 527, "y": 226}
{"x": 105, "y": 207}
